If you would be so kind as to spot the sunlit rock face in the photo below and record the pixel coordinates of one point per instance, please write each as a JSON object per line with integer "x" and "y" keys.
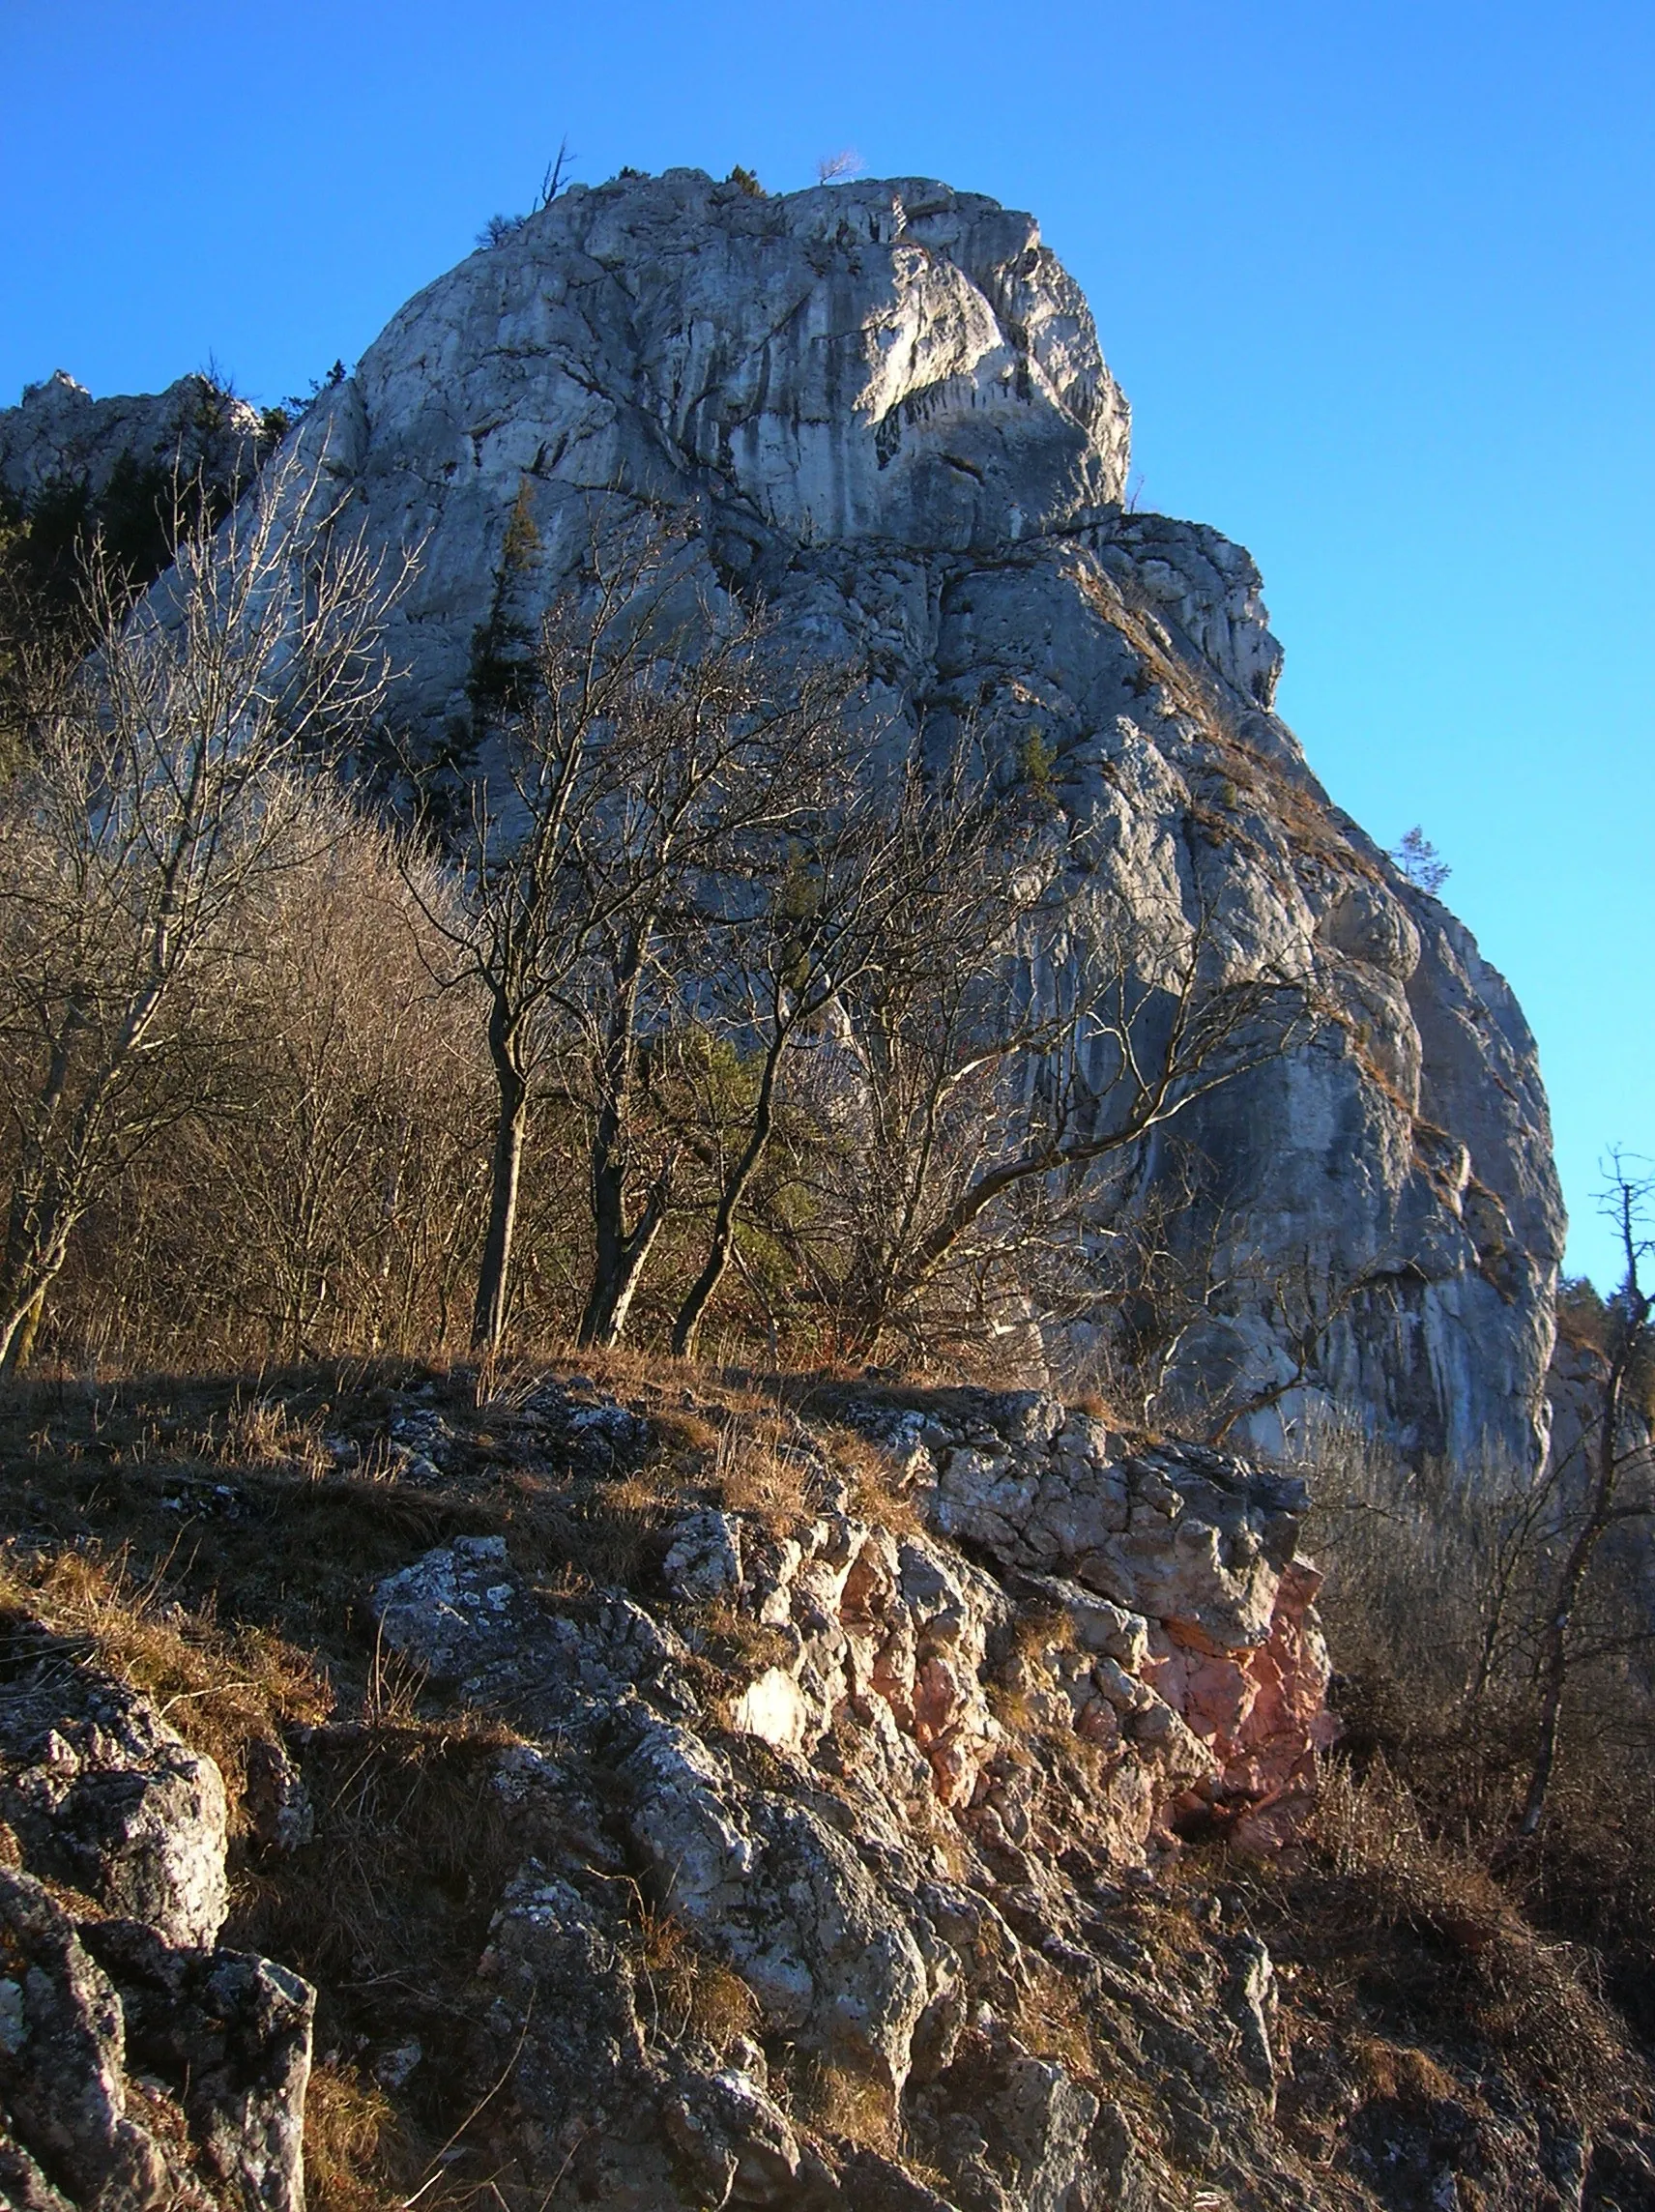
{"x": 61, "y": 436}
{"x": 887, "y": 405}
{"x": 892, "y": 361}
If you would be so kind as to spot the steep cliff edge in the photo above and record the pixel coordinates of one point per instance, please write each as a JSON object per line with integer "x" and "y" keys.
{"x": 887, "y": 404}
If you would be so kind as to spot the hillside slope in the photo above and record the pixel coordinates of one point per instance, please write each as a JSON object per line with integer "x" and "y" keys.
{"x": 814, "y": 1795}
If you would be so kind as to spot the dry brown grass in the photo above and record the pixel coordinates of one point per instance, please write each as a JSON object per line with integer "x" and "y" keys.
{"x": 1051, "y": 2020}
{"x": 840, "y": 2097}
{"x": 737, "y": 1643}
{"x": 413, "y": 1844}
{"x": 756, "y": 1471}
{"x": 878, "y": 1493}
{"x": 1011, "y": 1708}
{"x": 351, "y": 2146}
{"x": 1397, "y": 2071}
{"x": 220, "y": 1689}
{"x": 682, "y": 1987}
{"x": 261, "y": 1431}
{"x": 1423, "y": 1936}
{"x": 1098, "y": 1406}
{"x": 688, "y": 1434}
{"x": 1041, "y": 1628}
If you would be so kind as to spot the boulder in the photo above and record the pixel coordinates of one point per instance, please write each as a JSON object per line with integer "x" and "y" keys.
{"x": 104, "y": 1794}
{"x": 137, "y": 2057}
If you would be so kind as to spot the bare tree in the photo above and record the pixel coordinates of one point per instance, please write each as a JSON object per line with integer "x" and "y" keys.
{"x": 649, "y": 757}
{"x": 1619, "y": 1450}
{"x": 815, "y": 924}
{"x": 164, "y": 785}
{"x": 339, "y": 1178}
{"x": 321, "y": 1195}
{"x": 1030, "y": 1028}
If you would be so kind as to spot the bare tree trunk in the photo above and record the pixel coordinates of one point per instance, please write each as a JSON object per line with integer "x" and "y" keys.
{"x": 618, "y": 1265}
{"x": 1554, "y": 1662}
{"x": 1633, "y": 1307}
{"x": 21, "y": 1349}
{"x": 700, "y": 1292}
{"x": 36, "y": 1244}
{"x": 511, "y": 1130}
{"x": 620, "y": 1254}
{"x": 18, "y": 1330}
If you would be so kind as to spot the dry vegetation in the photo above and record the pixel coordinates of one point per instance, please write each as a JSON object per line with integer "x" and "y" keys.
{"x": 1432, "y": 1946}
{"x": 212, "y": 1542}
{"x": 200, "y": 1539}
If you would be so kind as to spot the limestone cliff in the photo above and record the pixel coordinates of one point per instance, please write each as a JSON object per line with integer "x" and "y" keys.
{"x": 890, "y": 399}
{"x": 61, "y": 435}
{"x": 887, "y": 402}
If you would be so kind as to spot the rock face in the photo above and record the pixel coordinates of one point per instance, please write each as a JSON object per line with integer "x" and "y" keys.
{"x": 140, "y": 2065}
{"x": 842, "y": 1844}
{"x": 102, "y": 1793}
{"x": 61, "y": 433}
{"x": 887, "y": 402}
{"x": 919, "y": 1781}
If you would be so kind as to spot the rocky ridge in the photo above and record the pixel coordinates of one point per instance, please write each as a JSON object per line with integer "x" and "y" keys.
{"x": 61, "y": 435}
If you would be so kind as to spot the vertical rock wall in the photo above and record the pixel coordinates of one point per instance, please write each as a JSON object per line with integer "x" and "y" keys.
{"x": 889, "y": 404}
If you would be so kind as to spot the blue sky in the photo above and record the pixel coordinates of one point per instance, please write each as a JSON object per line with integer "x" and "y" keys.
{"x": 1377, "y": 279}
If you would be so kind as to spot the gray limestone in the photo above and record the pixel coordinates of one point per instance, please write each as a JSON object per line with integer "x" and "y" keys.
{"x": 60, "y": 433}
{"x": 887, "y": 405}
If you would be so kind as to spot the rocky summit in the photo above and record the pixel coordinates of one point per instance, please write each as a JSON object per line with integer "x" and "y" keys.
{"x": 887, "y": 402}
{"x": 887, "y": 405}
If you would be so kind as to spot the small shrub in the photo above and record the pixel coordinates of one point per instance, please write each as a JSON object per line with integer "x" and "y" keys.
{"x": 498, "y": 228}
{"x": 1418, "y": 863}
{"x": 839, "y": 2097}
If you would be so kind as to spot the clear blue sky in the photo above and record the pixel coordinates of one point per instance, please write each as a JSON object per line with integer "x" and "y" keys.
{"x": 1376, "y": 277}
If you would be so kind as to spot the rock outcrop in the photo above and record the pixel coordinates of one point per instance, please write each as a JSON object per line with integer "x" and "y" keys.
{"x": 887, "y": 402}
{"x": 841, "y": 1797}
{"x": 61, "y": 435}
{"x": 142, "y": 2065}
{"x": 887, "y": 405}
{"x": 915, "y": 1778}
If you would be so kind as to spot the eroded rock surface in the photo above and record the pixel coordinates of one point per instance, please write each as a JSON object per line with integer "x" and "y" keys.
{"x": 140, "y": 2066}
{"x": 102, "y": 1792}
{"x": 927, "y": 1827}
{"x": 930, "y": 1755}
